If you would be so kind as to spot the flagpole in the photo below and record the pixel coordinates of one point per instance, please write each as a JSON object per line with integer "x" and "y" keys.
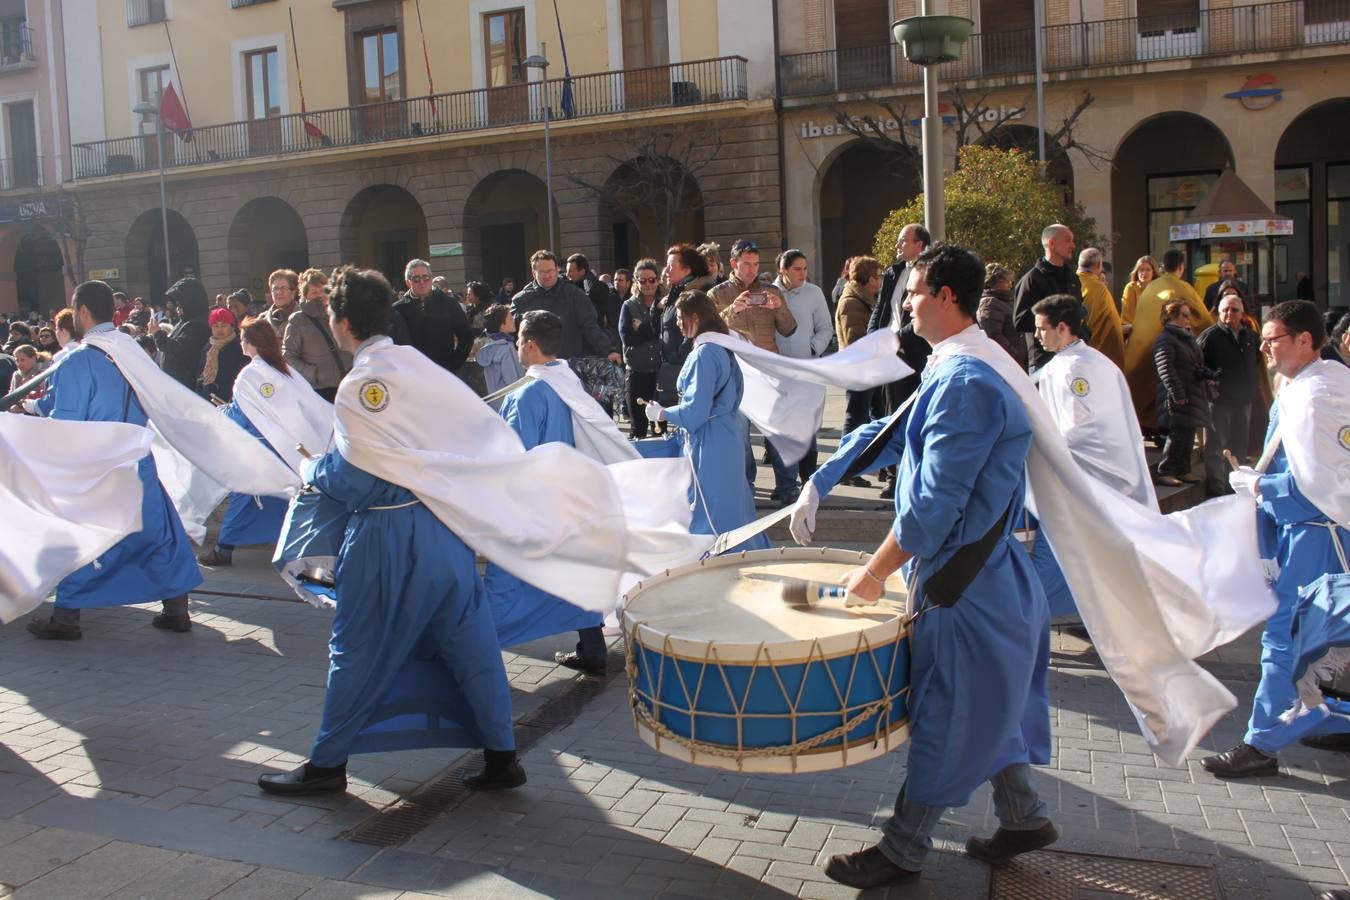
{"x": 163, "y": 201}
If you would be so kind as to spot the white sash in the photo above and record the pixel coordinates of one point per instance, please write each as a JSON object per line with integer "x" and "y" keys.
{"x": 595, "y": 433}
{"x": 285, "y": 409}
{"x": 1315, "y": 429}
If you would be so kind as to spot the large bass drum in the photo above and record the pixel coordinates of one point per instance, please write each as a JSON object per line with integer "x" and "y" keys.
{"x": 724, "y": 673}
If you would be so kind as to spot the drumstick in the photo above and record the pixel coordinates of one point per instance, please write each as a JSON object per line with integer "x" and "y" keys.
{"x": 1232, "y": 460}
{"x": 800, "y": 594}
{"x": 300, "y": 448}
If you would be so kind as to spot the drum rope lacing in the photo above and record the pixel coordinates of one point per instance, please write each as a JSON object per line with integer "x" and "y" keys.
{"x": 641, "y": 701}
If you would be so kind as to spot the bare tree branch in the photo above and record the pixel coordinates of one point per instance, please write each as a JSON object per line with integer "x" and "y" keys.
{"x": 657, "y": 169}
{"x": 1064, "y": 139}
{"x": 875, "y": 129}
{"x": 970, "y": 115}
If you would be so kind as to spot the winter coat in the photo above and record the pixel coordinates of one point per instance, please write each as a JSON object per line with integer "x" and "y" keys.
{"x": 1042, "y": 280}
{"x": 852, "y": 314}
{"x": 1183, "y": 398}
{"x": 1237, "y": 360}
{"x": 995, "y": 318}
{"x": 310, "y": 349}
{"x": 582, "y": 333}
{"x": 436, "y": 326}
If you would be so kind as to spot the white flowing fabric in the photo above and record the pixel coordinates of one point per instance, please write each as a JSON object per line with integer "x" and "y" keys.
{"x": 285, "y": 409}
{"x": 1149, "y": 596}
{"x": 201, "y": 455}
{"x": 552, "y": 516}
{"x": 68, "y": 492}
{"x": 1089, "y": 400}
{"x": 785, "y": 397}
{"x": 1315, "y": 431}
{"x": 595, "y": 433}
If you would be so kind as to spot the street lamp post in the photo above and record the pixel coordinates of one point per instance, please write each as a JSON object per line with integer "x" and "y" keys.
{"x": 927, "y": 41}
{"x": 540, "y": 61}
{"x": 147, "y": 108}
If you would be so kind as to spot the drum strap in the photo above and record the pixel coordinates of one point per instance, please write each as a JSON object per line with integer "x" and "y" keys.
{"x": 878, "y": 443}
{"x": 945, "y": 586}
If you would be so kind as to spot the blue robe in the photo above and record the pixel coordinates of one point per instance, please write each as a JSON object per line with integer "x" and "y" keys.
{"x": 414, "y": 661}
{"x": 978, "y": 691}
{"x": 1291, "y": 531}
{"x": 523, "y": 612}
{"x": 249, "y": 519}
{"x": 716, "y": 436}
{"x": 155, "y": 563}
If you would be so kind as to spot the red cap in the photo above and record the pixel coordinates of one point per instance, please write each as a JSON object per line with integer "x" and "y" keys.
{"x": 220, "y": 314}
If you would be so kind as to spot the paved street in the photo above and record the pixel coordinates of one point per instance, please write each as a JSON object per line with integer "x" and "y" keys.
{"x": 128, "y": 761}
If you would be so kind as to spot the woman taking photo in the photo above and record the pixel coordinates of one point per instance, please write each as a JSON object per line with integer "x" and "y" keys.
{"x": 278, "y": 407}
{"x": 639, "y": 332}
{"x": 1145, "y": 270}
{"x": 716, "y": 434}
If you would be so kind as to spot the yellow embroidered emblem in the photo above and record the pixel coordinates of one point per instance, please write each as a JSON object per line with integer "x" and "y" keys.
{"x": 1080, "y": 387}
{"x": 267, "y": 390}
{"x": 374, "y": 395}
{"x": 1344, "y": 437}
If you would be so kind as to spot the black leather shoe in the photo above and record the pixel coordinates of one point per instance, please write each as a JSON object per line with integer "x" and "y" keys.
{"x": 305, "y": 779}
{"x": 215, "y": 558}
{"x": 169, "y": 622}
{"x": 572, "y": 660}
{"x": 888, "y": 492}
{"x": 1005, "y": 844}
{"x": 1339, "y": 742}
{"x": 1243, "y": 761}
{"x": 858, "y": 481}
{"x": 52, "y": 630}
{"x": 501, "y": 771}
{"x": 867, "y": 868}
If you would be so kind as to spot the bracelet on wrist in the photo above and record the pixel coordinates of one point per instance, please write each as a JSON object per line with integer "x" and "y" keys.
{"x": 880, "y": 581}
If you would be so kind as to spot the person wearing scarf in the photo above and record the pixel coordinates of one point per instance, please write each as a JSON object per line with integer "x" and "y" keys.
{"x": 415, "y": 661}
{"x": 222, "y": 358}
{"x": 269, "y": 395}
{"x": 152, "y": 564}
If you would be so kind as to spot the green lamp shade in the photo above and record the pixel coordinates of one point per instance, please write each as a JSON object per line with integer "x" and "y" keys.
{"x": 928, "y": 40}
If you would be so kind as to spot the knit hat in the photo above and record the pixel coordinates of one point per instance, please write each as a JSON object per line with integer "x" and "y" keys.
{"x": 220, "y": 314}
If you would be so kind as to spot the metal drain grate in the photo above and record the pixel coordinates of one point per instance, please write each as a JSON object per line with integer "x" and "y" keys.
{"x": 396, "y": 823}
{"x": 1053, "y": 875}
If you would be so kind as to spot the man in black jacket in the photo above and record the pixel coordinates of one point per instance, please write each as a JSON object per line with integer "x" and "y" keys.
{"x": 430, "y": 320}
{"x": 183, "y": 348}
{"x": 601, "y": 296}
{"x": 914, "y": 350}
{"x": 1054, "y": 273}
{"x": 581, "y": 331}
{"x": 1227, "y": 272}
{"x": 1233, "y": 351}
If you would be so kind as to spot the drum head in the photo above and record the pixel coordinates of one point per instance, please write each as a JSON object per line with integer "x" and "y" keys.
{"x": 736, "y": 603}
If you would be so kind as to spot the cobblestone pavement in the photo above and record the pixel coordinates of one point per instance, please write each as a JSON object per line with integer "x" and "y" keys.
{"x": 128, "y": 760}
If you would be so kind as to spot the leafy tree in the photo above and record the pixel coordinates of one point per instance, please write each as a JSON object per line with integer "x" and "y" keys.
{"x": 998, "y": 201}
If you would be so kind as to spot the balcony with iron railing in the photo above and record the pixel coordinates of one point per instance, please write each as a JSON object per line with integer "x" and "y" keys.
{"x": 16, "y": 46}
{"x": 1260, "y": 27}
{"x": 581, "y": 96}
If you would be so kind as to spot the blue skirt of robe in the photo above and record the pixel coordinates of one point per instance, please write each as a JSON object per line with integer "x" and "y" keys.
{"x": 250, "y": 520}
{"x": 414, "y": 660}
{"x": 522, "y": 612}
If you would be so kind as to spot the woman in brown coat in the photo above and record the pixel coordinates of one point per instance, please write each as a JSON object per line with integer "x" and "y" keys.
{"x": 850, "y": 324}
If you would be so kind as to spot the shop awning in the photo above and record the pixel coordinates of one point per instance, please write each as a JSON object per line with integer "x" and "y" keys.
{"x": 1232, "y": 211}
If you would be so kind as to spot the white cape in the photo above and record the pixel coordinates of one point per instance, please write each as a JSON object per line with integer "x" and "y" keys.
{"x": 285, "y": 409}
{"x": 68, "y": 492}
{"x": 552, "y": 516}
{"x": 1149, "y": 596}
{"x": 1315, "y": 432}
{"x": 1089, "y": 400}
{"x": 595, "y": 433}
{"x": 785, "y": 397}
{"x": 201, "y": 455}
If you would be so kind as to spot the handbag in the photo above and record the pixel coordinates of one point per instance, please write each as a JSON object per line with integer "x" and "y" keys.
{"x": 644, "y": 357}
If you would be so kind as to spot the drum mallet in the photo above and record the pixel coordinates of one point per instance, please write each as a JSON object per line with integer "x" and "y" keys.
{"x": 800, "y": 594}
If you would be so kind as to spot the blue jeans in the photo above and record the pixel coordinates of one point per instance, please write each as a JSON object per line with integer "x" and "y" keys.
{"x": 907, "y": 836}
{"x": 784, "y": 476}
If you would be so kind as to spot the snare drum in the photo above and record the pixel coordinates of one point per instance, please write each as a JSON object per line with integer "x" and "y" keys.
{"x": 723, "y": 673}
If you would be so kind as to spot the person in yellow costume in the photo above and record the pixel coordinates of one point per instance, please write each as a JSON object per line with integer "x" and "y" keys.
{"x": 1102, "y": 319}
{"x": 1145, "y": 270}
{"x": 1140, "y": 371}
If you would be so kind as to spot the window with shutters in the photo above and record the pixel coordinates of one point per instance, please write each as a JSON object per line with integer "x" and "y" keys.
{"x": 150, "y": 83}
{"x": 260, "y": 74}
{"x": 381, "y": 74}
{"x": 504, "y": 40}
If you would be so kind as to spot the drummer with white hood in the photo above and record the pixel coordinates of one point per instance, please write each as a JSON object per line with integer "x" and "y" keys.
{"x": 1303, "y": 496}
